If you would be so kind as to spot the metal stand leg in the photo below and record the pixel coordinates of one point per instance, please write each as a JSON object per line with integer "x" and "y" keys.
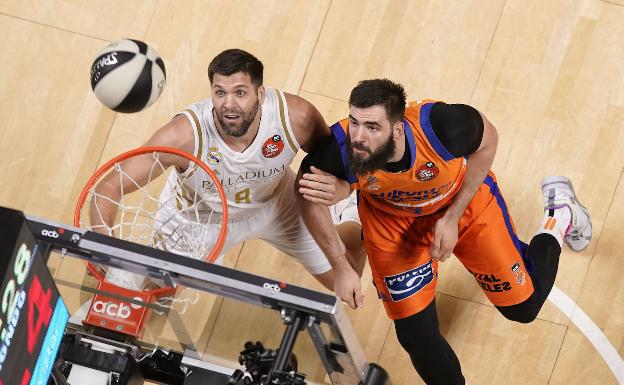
{"x": 295, "y": 322}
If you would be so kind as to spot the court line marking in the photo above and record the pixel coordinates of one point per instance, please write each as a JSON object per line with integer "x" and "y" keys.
{"x": 593, "y": 333}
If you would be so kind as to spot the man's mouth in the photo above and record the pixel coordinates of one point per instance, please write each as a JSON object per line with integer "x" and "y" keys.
{"x": 231, "y": 117}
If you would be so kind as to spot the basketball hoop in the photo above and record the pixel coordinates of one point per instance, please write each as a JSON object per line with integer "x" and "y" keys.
{"x": 162, "y": 212}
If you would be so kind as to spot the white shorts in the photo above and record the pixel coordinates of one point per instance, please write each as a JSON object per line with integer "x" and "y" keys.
{"x": 346, "y": 210}
{"x": 279, "y": 223}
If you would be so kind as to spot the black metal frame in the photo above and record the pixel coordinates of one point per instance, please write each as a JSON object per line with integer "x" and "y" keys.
{"x": 339, "y": 350}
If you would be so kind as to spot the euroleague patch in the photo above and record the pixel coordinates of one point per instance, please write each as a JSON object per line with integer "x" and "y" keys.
{"x": 427, "y": 172}
{"x": 408, "y": 283}
{"x": 272, "y": 147}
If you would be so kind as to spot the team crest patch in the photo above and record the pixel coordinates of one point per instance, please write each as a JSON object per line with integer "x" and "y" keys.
{"x": 427, "y": 172}
{"x": 517, "y": 271}
{"x": 408, "y": 283}
{"x": 272, "y": 147}
{"x": 371, "y": 183}
{"x": 214, "y": 156}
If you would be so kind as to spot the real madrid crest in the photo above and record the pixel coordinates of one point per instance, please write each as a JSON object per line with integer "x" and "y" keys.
{"x": 214, "y": 157}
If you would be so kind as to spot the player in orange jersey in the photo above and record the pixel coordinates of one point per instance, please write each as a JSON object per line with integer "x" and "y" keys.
{"x": 426, "y": 190}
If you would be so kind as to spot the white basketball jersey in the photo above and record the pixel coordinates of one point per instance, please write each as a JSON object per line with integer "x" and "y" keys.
{"x": 251, "y": 177}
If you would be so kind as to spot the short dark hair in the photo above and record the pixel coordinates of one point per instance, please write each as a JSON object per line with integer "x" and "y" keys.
{"x": 380, "y": 92}
{"x": 236, "y": 60}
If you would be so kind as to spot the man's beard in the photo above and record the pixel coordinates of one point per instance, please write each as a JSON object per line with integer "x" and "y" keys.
{"x": 359, "y": 166}
{"x": 233, "y": 129}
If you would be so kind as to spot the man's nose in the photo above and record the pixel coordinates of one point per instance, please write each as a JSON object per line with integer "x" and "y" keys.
{"x": 358, "y": 135}
{"x": 229, "y": 102}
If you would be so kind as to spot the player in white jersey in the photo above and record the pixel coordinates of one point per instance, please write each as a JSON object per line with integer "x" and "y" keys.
{"x": 249, "y": 134}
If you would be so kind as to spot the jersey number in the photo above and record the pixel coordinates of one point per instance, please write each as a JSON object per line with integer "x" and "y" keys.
{"x": 243, "y": 196}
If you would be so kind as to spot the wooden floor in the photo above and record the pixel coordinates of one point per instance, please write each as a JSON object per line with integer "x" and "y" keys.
{"x": 548, "y": 74}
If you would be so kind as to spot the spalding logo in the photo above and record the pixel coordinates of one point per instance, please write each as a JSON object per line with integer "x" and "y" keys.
{"x": 112, "y": 309}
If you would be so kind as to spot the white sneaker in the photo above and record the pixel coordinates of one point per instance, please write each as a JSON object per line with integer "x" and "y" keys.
{"x": 558, "y": 193}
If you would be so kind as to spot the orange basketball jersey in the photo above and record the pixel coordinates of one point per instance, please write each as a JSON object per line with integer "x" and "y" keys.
{"x": 433, "y": 178}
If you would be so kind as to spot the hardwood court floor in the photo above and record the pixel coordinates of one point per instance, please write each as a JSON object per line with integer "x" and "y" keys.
{"x": 548, "y": 74}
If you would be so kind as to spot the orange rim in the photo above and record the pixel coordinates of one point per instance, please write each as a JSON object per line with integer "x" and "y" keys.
{"x": 214, "y": 253}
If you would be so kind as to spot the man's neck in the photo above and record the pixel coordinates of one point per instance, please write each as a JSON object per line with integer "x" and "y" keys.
{"x": 399, "y": 150}
{"x": 239, "y": 143}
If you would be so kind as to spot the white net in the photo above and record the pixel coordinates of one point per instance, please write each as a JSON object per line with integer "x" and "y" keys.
{"x": 160, "y": 207}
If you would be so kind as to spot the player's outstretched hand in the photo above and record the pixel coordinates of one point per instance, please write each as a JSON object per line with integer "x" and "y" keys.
{"x": 444, "y": 238}
{"x": 321, "y": 187}
{"x": 348, "y": 289}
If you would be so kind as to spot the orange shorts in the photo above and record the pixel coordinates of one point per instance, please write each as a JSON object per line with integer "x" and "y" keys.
{"x": 404, "y": 273}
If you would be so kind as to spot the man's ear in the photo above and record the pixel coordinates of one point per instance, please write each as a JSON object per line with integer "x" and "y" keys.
{"x": 398, "y": 129}
{"x": 261, "y": 91}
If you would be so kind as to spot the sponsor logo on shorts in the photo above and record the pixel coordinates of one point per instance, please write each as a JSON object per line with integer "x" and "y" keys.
{"x": 517, "y": 271}
{"x": 272, "y": 147}
{"x": 410, "y": 282}
{"x": 427, "y": 172}
{"x": 491, "y": 283}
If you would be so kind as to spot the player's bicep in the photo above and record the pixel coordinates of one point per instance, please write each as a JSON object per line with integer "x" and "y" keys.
{"x": 327, "y": 157}
{"x": 177, "y": 133}
{"x": 307, "y": 123}
{"x": 140, "y": 169}
{"x": 458, "y": 127}
{"x": 490, "y": 135}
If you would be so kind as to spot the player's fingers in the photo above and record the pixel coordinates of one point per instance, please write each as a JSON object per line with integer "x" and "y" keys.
{"x": 326, "y": 178}
{"x": 315, "y": 193}
{"x": 446, "y": 247}
{"x": 445, "y": 256}
{"x": 359, "y": 298}
{"x": 435, "y": 247}
{"x": 314, "y": 199}
{"x": 349, "y": 301}
{"x": 317, "y": 185}
{"x": 317, "y": 171}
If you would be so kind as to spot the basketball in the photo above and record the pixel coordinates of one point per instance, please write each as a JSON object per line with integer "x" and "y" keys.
{"x": 128, "y": 75}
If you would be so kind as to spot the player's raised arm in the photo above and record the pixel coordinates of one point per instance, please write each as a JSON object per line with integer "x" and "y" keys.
{"x": 178, "y": 133}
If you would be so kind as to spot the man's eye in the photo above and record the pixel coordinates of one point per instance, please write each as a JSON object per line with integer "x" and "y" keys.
{"x": 241, "y": 93}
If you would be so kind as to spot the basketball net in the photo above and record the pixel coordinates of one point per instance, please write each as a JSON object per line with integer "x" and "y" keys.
{"x": 161, "y": 210}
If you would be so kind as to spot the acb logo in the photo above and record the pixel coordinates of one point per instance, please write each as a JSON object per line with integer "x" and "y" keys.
{"x": 111, "y": 309}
